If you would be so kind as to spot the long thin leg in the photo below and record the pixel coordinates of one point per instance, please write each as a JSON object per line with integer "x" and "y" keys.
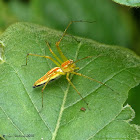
{"x": 86, "y": 58}
{"x": 54, "y": 61}
{"x": 82, "y": 59}
{"x": 64, "y": 33}
{"x": 93, "y": 80}
{"x": 61, "y": 73}
{"x": 67, "y": 77}
{"x": 43, "y": 90}
{"x": 54, "y": 53}
{"x": 64, "y": 58}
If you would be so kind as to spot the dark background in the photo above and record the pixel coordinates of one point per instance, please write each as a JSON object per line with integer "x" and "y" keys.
{"x": 114, "y": 24}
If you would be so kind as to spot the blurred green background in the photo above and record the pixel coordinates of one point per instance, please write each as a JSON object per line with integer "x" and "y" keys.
{"x": 114, "y": 24}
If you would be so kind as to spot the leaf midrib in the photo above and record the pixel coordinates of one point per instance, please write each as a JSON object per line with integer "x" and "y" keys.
{"x": 64, "y": 100}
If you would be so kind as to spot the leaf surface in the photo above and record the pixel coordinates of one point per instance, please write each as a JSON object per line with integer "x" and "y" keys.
{"x": 132, "y": 3}
{"x": 61, "y": 118}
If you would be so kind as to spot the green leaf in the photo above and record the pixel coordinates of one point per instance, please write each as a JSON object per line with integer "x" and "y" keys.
{"x": 120, "y": 127}
{"x": 61, "y": 118}
{"x": 132, "y": 3}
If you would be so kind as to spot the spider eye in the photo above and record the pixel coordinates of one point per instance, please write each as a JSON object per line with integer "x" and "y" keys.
{"x": 71, "y": 61}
